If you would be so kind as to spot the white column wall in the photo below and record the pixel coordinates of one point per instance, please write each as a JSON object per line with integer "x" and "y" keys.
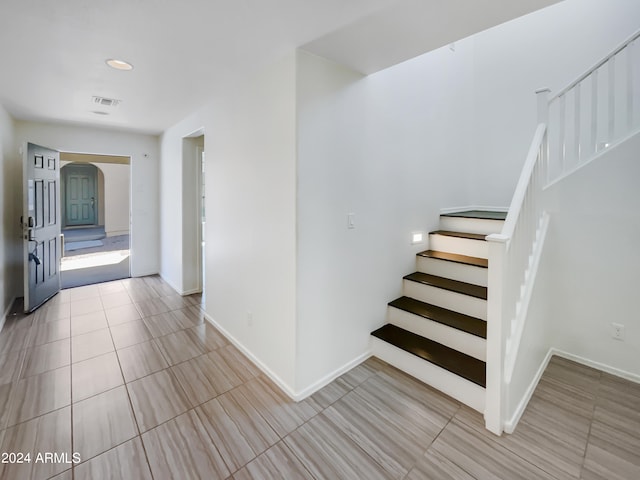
{"x": 251, "y": 204}
{"x": 10, "y": 208}
{"x": 389, "y": 148}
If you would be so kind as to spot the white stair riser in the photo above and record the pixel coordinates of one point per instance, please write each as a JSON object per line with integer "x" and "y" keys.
{"x": 471, "y": 225}
{"x": 461, "y": 246}
{"x": 458, "y": 340}
{"x": 453, "y": 270}
{"x": 458, "y": 302}
{"x": 439, "y": 378}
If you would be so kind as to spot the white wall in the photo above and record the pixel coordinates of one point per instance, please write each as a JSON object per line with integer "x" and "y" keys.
{"x": 251, "y": 205}
{"x": 449, "y": 128}
{"x": 596, "y": 259}
{"x": 10, "y": 208}
{"x": 116, "y": 197}
{"x": 387, "y": 148}
{"x": 175, "y": 240}
{"x": 144, "y": 153}
{"x": 191, "y": 177}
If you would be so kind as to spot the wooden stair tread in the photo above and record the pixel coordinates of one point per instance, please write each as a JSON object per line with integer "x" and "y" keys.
{"x": 480, "y": 214}
{"x": 467, "y": 235}
{"x": 456, "y": 362}
{"x": 448, "y": 284}
{"x": 454, "y": 257}
{"x": 459, "y": 321}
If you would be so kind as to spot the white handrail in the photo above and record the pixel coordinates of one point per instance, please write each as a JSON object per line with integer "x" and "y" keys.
{"x": 521, "y": 188}
{"x": 582, "y": 77}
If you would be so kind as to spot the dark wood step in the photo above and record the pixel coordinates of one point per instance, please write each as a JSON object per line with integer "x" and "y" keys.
{"x": 456, "y": 362}
{"x": 454, "y": 257}
{"x": 448, "y": 284}
{"x": 480, "y": 214}
{"x": 470, "y": 236}
{"x": 459, "y": 321}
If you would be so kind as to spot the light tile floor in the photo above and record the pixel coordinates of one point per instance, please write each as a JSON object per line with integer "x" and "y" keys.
{"x": 130, "y": 377}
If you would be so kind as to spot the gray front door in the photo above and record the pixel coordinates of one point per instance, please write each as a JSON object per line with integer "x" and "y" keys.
{"x": 80, "y": 194}
{"x": 41, "y": 225}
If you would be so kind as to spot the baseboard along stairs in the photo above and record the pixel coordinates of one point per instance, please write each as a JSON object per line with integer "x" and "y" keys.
{"x": 437, "y": 330}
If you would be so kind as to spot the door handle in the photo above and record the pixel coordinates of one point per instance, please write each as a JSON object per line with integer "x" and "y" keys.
{"x": 93, "y": 201}
{"x": 35, "y": 258}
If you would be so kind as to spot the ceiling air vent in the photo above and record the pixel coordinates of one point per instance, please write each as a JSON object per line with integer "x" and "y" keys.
{"x": 106, "y": 102}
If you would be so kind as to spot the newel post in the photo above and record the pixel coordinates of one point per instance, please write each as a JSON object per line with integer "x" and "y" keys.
{"x": 542, "y": 94}
{"x": 496, "y": 334}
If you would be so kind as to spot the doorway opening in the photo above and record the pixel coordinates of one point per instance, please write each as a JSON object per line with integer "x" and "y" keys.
{"x": 95, "y": 214}
{"x": 193, "y": 213}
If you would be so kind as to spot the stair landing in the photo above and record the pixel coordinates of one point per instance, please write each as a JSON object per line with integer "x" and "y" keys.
{"x": 482, "y": 214}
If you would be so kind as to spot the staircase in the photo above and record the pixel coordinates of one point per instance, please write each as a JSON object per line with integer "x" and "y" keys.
{"x": 437, "y": 330}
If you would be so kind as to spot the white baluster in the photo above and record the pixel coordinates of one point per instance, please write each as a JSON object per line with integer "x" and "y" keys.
{"x": 612, "y": 98}
{"x": 561, "y": 142}
{"x": 630, "y": 85}
{"x": 576, "y": 123}
{"x": 594, "y": 110}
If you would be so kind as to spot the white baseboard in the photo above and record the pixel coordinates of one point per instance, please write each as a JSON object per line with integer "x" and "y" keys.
{"x": 632, "y": 377}
{"x": 291, "y": 393}
{"x": 510, "y": 424}
{"x": 170, "y": 283}
{"x": 190, "y": 292}
{"x": 6, "y": 312}
{"x": 144, "y": 274}
{"x": 327, "y": 379}
{"x": 178, "y": 290}
{"x": 266, "y": 370}
{"x": 444, "y": 211}
{"x": 115, "y": 233}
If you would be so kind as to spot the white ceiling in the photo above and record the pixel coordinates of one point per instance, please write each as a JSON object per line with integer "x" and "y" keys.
{"x": 53, "y": 52}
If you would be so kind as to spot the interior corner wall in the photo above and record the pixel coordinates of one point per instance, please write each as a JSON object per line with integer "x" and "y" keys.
{"x": 10, "y": 208}
{"x": 596, "y": 227}
{"x": 144, "y": 153}
{"x": 250, "y": 177}
{"x": 117, "y": 178}
{"x": 171, "y": 200}
{"x": 547, "y": 48}
{"x": 191, "y": 251}
{"x": 387, "y": 148}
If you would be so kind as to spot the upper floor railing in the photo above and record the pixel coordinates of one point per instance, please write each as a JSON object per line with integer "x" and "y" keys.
{"x": 599, "y": 108}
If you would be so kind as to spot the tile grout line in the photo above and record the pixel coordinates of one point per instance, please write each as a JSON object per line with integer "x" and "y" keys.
{"x": 71, "y": 409}
{"x": 593, "y": 411}
{"x": 135, "y": 418}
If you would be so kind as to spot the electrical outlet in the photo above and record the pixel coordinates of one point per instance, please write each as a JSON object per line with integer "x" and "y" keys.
{"x": 250, "y": 319}
{"x": 617, "y": 331}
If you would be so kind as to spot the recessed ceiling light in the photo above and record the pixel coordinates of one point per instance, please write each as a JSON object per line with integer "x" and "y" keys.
{"x": 119, "y": 64}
